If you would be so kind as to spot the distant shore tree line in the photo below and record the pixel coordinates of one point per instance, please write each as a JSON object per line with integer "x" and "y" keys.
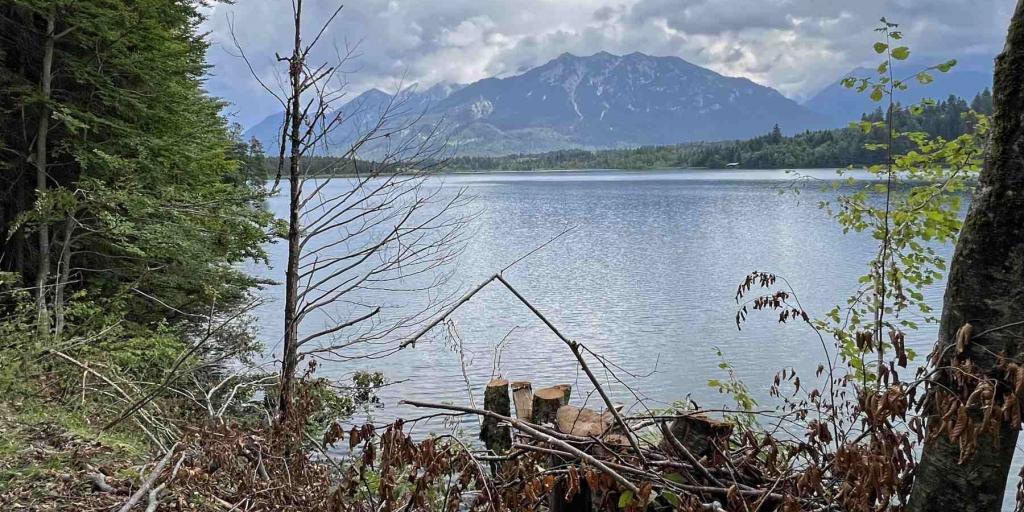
{"x": 840, "y": 147}
{"x": 824, "y": 148}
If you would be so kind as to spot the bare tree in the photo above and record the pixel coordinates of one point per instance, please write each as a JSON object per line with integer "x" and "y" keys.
{"x": 980, "y": 332}
{"x": 359, "y": 230}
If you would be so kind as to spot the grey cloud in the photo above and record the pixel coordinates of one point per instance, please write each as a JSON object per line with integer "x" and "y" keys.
{"x": 796, "y": 46}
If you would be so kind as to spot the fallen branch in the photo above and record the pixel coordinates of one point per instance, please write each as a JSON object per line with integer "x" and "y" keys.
{"x": 536, "y": 434}
{"x": 148, "y": 483}
{"x": 677, "y": 446}
{"x": 574, "y": 347}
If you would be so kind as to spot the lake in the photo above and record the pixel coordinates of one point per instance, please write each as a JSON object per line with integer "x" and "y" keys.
{"x": 647, "y": 279}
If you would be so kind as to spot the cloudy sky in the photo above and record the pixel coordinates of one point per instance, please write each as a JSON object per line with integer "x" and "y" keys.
{"x": 795, "y": 46}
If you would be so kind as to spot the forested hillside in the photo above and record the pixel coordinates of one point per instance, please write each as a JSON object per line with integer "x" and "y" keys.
{"x": 810, "y": 149}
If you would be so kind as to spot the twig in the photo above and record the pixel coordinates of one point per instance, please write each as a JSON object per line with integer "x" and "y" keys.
{"x": 575, "y": 348}
{"x": 689, "y": 455}
{"x": 465, "y": 298}
{"x": 148, "y": 483}
{"x": 536, "y": 434}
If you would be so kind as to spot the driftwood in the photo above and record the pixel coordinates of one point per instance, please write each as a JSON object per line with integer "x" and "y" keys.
{"x": 546, "y": 402}
{"x": 496, "y": 436}
{"x": 522, "y": 395}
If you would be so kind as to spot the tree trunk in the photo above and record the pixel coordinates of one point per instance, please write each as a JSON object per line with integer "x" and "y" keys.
{"x": 700, "y": 435}
{"x": 986, "y": 289}
{"x": 497, "y": 438}
{"x": 546, "y": 403}
{"x": 63, "y": 276}
{"x": 522, "y": 395}
{"x": 290, "y": 357}
{"x": 42, "y": 130}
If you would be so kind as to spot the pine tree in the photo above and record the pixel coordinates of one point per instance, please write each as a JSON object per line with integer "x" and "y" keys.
{"x": 137, "y": 196}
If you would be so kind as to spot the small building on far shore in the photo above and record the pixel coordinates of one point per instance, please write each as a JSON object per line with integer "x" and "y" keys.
{"x": 732, "y": 165}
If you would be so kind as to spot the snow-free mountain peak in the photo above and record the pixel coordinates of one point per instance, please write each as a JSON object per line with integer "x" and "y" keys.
{"x": 604, "y": 101}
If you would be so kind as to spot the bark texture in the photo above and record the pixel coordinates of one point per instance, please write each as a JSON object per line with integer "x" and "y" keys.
{"x": 497, "y": 437}
{"x": 701, "y": 435}
{"x": 522, "y": 395}
{"x": 985, "y": 289}
{"x": 290, "y": 351}
{"x": 546, "y": 402}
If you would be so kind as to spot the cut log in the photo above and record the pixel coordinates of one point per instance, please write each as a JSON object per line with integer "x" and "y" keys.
{"x": 497, "y": 437}
{"x": 582, "y": 422}
{"x": 522, "y": 395}
{"x": 546, "y": 402}
{"x": 567, "y": 389}
{"x": 701, "y": 435}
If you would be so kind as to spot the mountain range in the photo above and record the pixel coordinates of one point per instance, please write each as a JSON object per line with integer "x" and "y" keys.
{"x": 841, "y": 105}
{"x": 593, "y": 102}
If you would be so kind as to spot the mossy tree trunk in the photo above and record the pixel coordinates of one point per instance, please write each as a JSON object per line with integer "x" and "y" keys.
{"x": 985, "y": 289}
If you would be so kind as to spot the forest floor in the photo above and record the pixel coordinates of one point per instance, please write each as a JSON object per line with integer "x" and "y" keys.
{"x": 52, "y": 460}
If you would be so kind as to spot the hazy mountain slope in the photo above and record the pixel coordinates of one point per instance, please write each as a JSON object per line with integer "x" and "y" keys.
{"x": 600, "y": 101}
{"x": 843, "y": 105}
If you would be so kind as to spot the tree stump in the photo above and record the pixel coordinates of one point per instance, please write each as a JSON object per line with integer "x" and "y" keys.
{"x": 567, "y": 389}
{"x": 701, "y": 435}
{"x": 582, "y": 422}
{"x": 522, "y": 395}
{"x": 546, "y": 402}
{"x": 580, "y": 502}
{"x": 497, "y": 438}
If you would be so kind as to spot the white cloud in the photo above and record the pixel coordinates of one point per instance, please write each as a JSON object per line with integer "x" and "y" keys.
{"x": 796, "y": 46}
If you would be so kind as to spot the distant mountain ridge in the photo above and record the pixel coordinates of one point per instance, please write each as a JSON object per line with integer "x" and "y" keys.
{"x": 841, "y": 105}
{"x": 593, "y": 102}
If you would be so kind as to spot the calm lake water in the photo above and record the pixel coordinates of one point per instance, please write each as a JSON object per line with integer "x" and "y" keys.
{"x": 647, "y": 279}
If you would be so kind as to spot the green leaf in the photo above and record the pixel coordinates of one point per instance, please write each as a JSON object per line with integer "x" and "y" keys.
{"x": 672, "y": 498}
{"x": 883, "y": 68}
{"x": 625, "y": 499}
{"x": 946, "y": 66}
{"x": 901, "y": 53}
{"x": 877, "y": 94}
{"x": 675, "y": 477}
{"x": 924, "y": 78}
{"x": 881, "y": 47}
